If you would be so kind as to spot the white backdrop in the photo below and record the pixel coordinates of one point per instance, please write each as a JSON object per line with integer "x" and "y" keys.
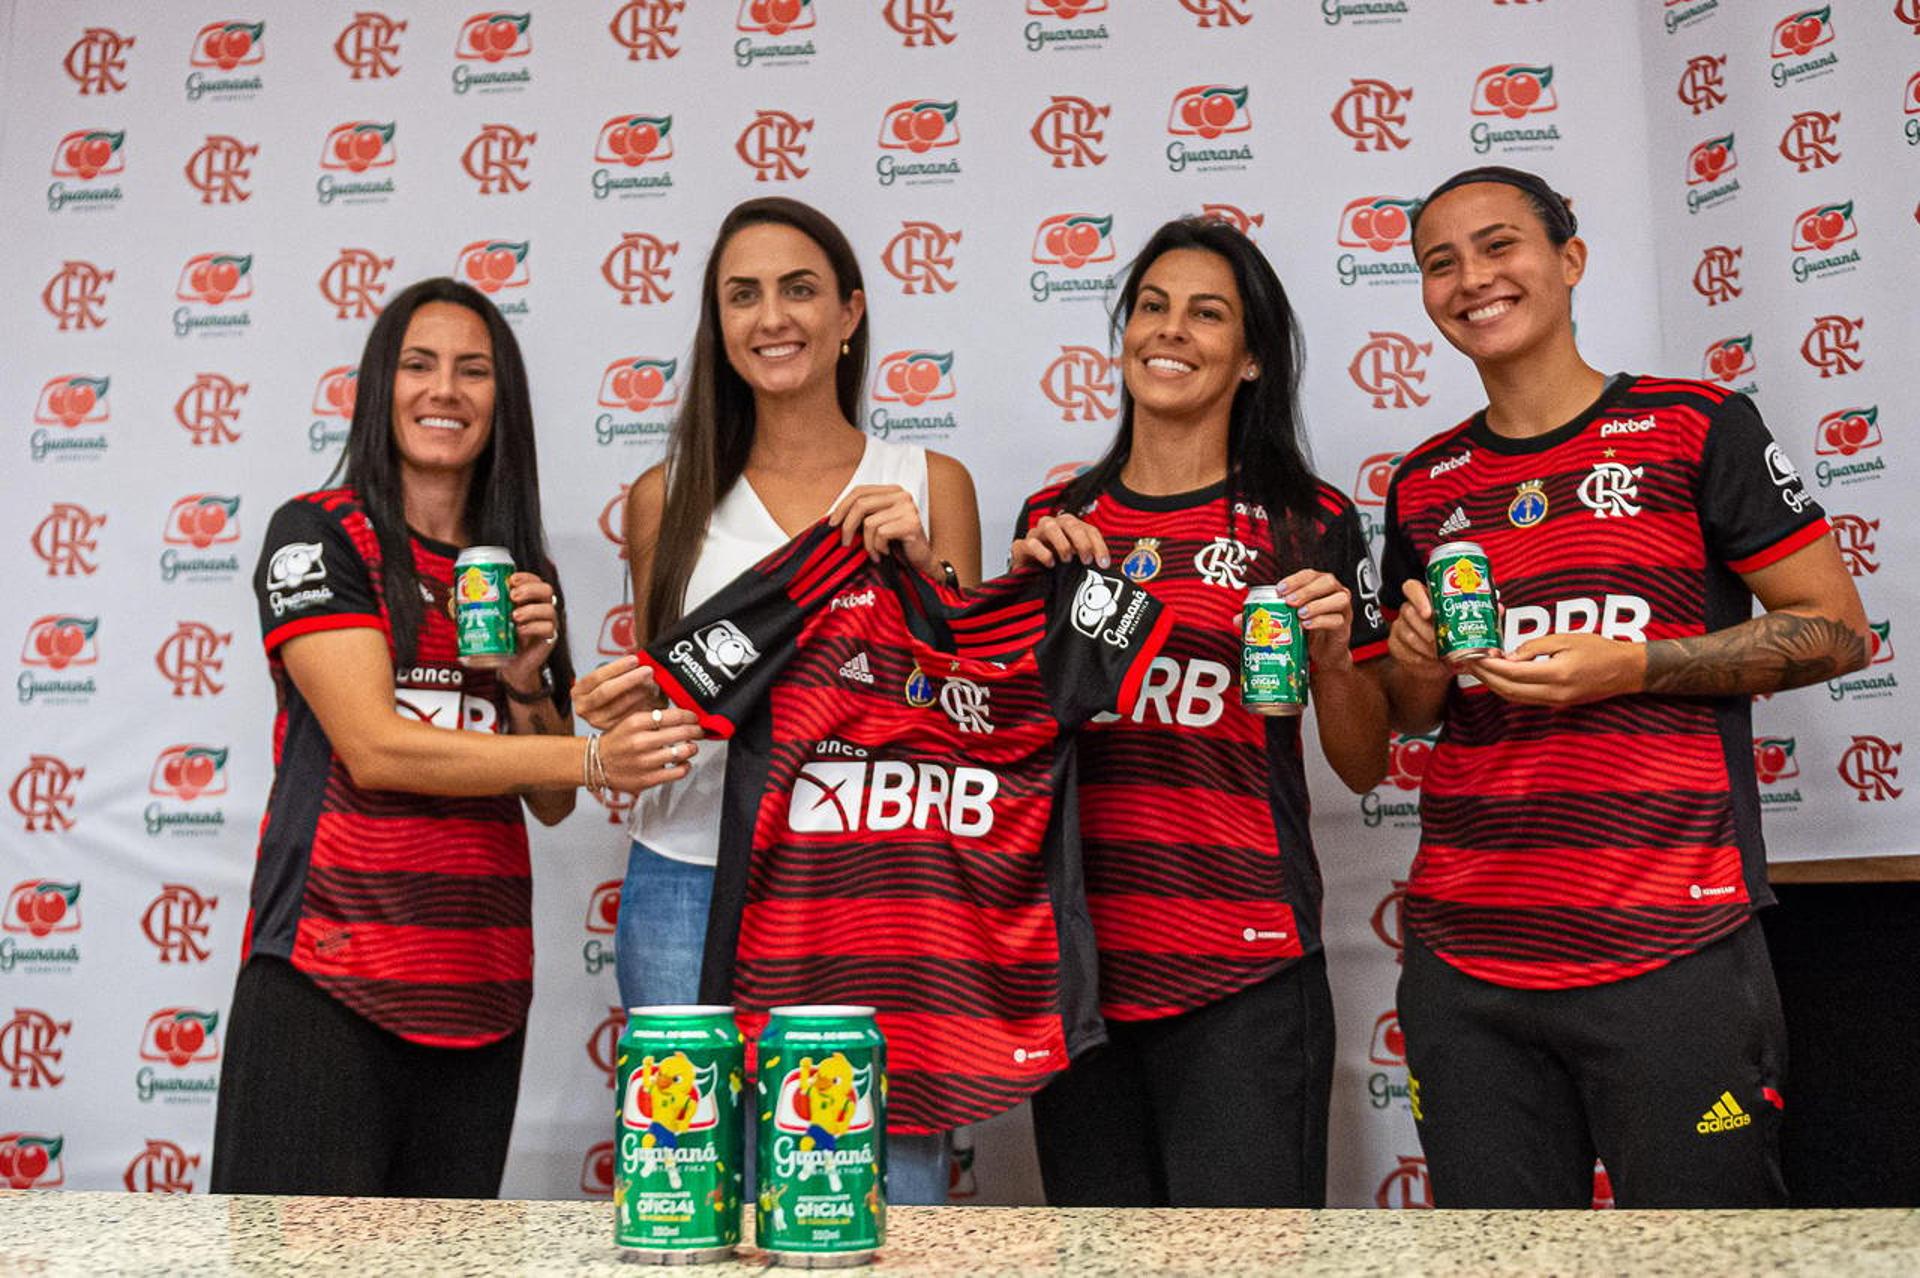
{"x": 205, "y": 206}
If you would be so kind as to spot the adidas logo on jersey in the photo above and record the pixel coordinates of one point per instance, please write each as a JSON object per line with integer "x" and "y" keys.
{"x": 857, "y": 669}
{"x": 1725, "y": 1116}
{"x": 1457, "y": 522}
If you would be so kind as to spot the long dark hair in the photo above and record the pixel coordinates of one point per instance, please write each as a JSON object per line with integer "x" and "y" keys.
{"x": 1267, "y": 459}
{"x": 713, "y": 434}
{"x": 503, "y": 502}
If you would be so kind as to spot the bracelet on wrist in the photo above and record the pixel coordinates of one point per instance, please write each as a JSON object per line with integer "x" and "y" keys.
{"x": 542, "y": 693}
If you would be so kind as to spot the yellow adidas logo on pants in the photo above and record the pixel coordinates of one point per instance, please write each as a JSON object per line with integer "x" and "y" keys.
{"x": 1725, "y": 1116}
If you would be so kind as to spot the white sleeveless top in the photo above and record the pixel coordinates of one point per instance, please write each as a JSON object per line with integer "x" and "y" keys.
{"x": 681, "y": 821}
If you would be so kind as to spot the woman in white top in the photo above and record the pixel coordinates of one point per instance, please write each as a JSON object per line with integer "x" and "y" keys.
{"x": 764, "y": 445}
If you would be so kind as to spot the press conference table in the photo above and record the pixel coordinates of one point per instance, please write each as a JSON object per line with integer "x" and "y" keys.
{"x": 51, "y": 1232}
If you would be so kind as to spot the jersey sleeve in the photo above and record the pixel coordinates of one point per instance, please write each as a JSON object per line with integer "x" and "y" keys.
{"x": 1754, "y": 509}
{"x": 1103, "y": 632}
{"x": 1352, "y": 563}
{"x": 720, "y": 661}
{"x": 311, "y": 576}
{"x": 1400, "y": 559}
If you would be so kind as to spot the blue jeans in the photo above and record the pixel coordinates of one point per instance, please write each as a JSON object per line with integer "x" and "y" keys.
{"x": 658, "y": 943}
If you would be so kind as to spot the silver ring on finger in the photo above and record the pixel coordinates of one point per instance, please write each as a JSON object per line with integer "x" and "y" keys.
{"x": 675, "y": 750}
{"x": 657, "y": 716}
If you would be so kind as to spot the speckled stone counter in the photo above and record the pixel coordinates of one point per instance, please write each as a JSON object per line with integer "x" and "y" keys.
{"x": 61, "y": 1233}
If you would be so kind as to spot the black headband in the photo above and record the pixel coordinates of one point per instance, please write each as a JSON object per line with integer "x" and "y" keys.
{"x": 1553, "y": 207}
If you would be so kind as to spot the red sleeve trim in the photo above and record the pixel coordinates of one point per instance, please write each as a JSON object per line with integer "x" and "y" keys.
{"x": 1370, "y": 651}
{"x": 718, "y": 724}
{"x": 1136, "y": 676}
{"x": 331, "y": 621}
{"x": 1781, "y": 549}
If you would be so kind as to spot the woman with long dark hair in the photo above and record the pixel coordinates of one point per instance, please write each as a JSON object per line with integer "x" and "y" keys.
{"x": 374, "y": 1041}
{"x": 1200, "y": 871}
{"x": 764, "y": 446}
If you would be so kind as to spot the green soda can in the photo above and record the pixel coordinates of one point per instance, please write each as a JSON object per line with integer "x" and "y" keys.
{"x": 482, "y": 608}
{"x": 823, "y": 1137}
{"x": 1273, "y": 654}
{"x": 678, "y": 1136}
{"x": 1466, "y": 621}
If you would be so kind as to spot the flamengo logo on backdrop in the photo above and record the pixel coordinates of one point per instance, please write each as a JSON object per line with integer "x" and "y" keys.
{"x": 1832, "y": 345}
{"x": 64, "y": 540}
{"x": 1208, "y": 111}
{"x": 1080, "y": 383}
{"x": 161, "y": 1168}
{"x": 1717, "y": 277}
{"x": 1067, "y": 130}
{"x": 1705, "y": 164}
{"x": 1809, "y": 141}
{"x": 30, "y": 1049}
{"x": 40, "y": 908}
{"x": 1387, "y": 366}
{"x": 189, "y": 658}
{"x": 918, "y": 125}
{"x": 369, "y": 45}
{"x": 631, "y": 141}
{"x": 176, "y": 922}
{"x": 1372, "y": 113}
{"x": 208, "y": 408}
{"x": 86, "y": 154}
{"x": 773, "y": 144}
{"x": 639, "y": 268}
{"x": 1703, "y": 84}
{"x": 76, "y": 295}
{"x": 1379, "y": 223}
{"x": 354, "y": 281}
{"x": 69, "y": 401}
{"x": 1219, "y": 13}
{"x": 496, "y": 158}
{"x": 333, "y": 396}
{"x": 912, "y": 378}
{"x": 1234, "y": 216}
{"x": 1514, "y": 91}
{"x": 920, "y": 257}
{"x": 1730, "y": 359}
{"x": 356, "y": 146}
{"x": 1797, "y": 35}
{"x": 645, "y": 28}
{"x": 637, "y": 383}
{"x": 1817, "y": 230}
{"x": 922, "y": 24}
{"x": 603, "y": 1044}
{"x": 1406, "y": 1187}
{"x": 31, "y": 1160}
{"x": 43, "y": 793}
{"x": 98, "y": 60}
{"x": 1868, "y": 766}
{"x": 1855, "y": 537}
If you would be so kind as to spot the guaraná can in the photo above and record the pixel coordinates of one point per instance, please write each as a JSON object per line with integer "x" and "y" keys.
{"x": 678, "y": 1136}
{"x": 823, "y": 1137}
{"x": 1273, "y": 654}
{"x": 483, "y": 607}
{"x": 1466, "y": 620}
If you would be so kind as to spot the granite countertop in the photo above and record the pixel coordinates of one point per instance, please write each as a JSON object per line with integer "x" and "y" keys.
{"x": 50, "y": 1232}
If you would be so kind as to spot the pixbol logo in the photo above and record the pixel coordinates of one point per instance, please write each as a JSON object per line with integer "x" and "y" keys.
{"x": 1717, "y": 277}
{"x": 1729, "y": 359}
{"x": 1373, "y": 112}
{"x": 181, "y": 1036}
{"x": 1869, "y": 766}
{"x": 1219, "y": 14}
{"x": 1406, "y": 1187}
{"x": 914, "y": 377}
{"x": 90, "y": 153}
{"x": 354, "y": 282}
{"x": 1832, "y": 345}
{"x": 76, "y": 296}
{"x": 1080, "y": 383}
{"x": 190, "y": 658}
{"x": 774, "y": 17}
{"x": 640, "y": 267}
{"x": 1376, "y": 473}
{"x": 1073, "y": 240}
{"x": 227, "y": 45}
{"x": 30, "y": 1049}
{"x": 646, "y": 29}
{"x": 1774, "y": 759}
{"x": 1514, "y": 90}
{"x": 64, "y": 540}
{"x": 1709, "y": 159}
{"x": 1067, "y": 130}
{"x": 208, "y": 409}
{"x": 1703, "y": 83}
{"x": 369, "y": 46}
{"x": 97, "y": 62}
{"x": 334, "y": 393}
{"x": 603, "y": 1044}
{"x": 358, "y": 145}
{"x": 161, "y": 1168}
{"x": 921, "y": 24}
{"x": 633, "y": 140}
{"x": 920, "y": 257}
{"x": 186, "y": 772}
{"x": 494, "y": 36}
{"x": 640, "y": 382}
{"x": 72, "y": 399}
{"x": 1387, "y": 368}
{"x": 1856, "y": 536}
{"x": 41, "y": 907}
{"x": 1810, "y": 142}
{"x": 31, "y": 1160}
{"x": 773, "y": 144}
{"x": 59, "y": 640}
{"x": 216, "y": 278}
{"x": 919, "y": 125}
{"x": 43, "y": 793}
{"x": 496, "y": 158}
{"x": 492, "y": 265}
{"x": 1847, "y": 431}
{"x": 1209, "y": 111}
{"x": 176, "y": 923}
{"x": 617, "y": 637}
{"x": 201, "y": 520}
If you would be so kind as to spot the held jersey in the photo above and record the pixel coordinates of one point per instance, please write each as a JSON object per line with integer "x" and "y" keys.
{"x": 1570, "y": 847}
{"x": 891, "y": 835}
{"x": 1201, "y": 875}
{"x": 413, "y": 910}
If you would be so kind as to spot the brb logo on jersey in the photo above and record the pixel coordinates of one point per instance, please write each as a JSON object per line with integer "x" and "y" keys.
{"x": 1373, "y": 113}
{"x": 369, "y": 46}
{"x": 838, "y": 796}
{"x": 1068, "y": 131}
{"x": 1869, "y": 766}
{"x": 1832, "y": 345}
{"x": 1703, "y": 83}
{"x": 1387, "y": 368}
{"x": 31, "y": 1160}
{"x": 492, "y": 265}
{"x": 920, "y": 257}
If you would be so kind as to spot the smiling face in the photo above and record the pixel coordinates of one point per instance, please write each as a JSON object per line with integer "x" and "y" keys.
{"x": 1184, "y": 349}
{"x": 1494, "y": 284}
{"x": 443, "y": 390}
{"x": 781, "y": 317}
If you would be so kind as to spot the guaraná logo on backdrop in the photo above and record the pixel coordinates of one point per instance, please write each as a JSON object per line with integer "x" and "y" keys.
{"x": 626, "y": 146}
{"x": 630, "y": 388}
{"x": 1059, "y": 25}
{"x": 354, "y": 148}
{"x": 1707, "y": 163}
{"x": 219, "y": 51}
{"x": 1512, "y": 92}
{"x": 85, "y": 156}
{"x": 1816, "y": 233}
{"x": 490, "y": 38}
{"x": 1072, "y": 241}
{"x": 1381, "y": 225}
{"x": 918, "y": 126}
{"x": 1795, "y": 38}
{"x": 1208, "y": 112}
{"x": 910, "y": 380}
{"x": 775, "y": 32}
{"x": 67, "y": 403}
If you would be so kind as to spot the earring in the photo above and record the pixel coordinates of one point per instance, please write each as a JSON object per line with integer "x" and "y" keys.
{"x": 846, "y": 348}
{"x": 1251, "y": 373}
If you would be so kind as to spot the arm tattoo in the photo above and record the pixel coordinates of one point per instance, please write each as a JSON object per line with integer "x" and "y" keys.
{"x": 1767, "y": 654}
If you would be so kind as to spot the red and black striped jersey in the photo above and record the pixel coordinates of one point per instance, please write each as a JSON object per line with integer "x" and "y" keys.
{"x": 1201, "y": 875}
{"x": 413, "y": 910}
{"x": 1570, "y": 847}
{"x": 891, "y": 834}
